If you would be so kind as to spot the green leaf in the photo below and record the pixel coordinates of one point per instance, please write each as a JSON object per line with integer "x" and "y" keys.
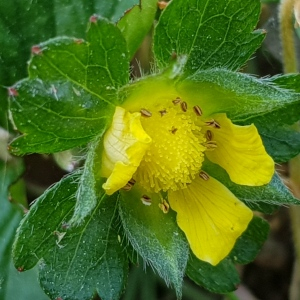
{"x": 108, "y": 65}
{"x": 71, "y": 16}
{"x": 264, "y": 198}
{"x": 4, "y": 120}
{"x": 249, "y": 244}
{"x": 27, "y": 283}
{"x": 212, "y": 34}
{"x": 114, "y": 9}
{"x": 10, "y": 216}
{"x": 136, "y": 23}
{"x": 72, "y": 94}
{"x": 222, "y": 278}
{"x": 63, "y": 18}
{"x": 98, "y": 66}
{"x": 155, "y": 236}
{"x": 16, "y": 37}
{"x": 57, "y": 121}
{"x": 36, "y": 233}
{"x": 90, "y": 257}
{"x": 76, "y": 261}
{"x": 18, "y": 34}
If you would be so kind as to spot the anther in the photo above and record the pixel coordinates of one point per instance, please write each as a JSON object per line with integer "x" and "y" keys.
{"x": 129, "y": 185}
{"x": 209, "y": 135}
{"x": 173, "y": 130}
{"x": 145, "y": 113}
{"x": 183, "y": 106}
{"x": 213, "y": 123}
{"x": 164, "y": 206}
{"x": 197, "y": 110}
{"x": 211, "y": 145}
{"x": 204, "y": 175}
{"x": 146, "y": 200}
{"x": 163, "y": 112}
{"x": 177, "y": 101}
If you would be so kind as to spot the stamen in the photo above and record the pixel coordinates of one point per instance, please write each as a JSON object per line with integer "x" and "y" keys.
{"x": 197, "y": 110}
{"x": 211, "y": 145}
{"x": 213, "y": 123}
{"x": 146, "y": 200}
{"x": 145, "y": 113}
{"x": 183, "y": 106}
{"x": 173, "y": 130}
{"x": 176, "y": 101}
{"x": 204, "y": 175}
{"x": 177, "y": 151}
{"x": 132, "y": 181}
{"x": 209, "y": 135}
{"x": 163, "y": 112}
{"x": 164, "y": 206}
{"x": 129, "y": 185}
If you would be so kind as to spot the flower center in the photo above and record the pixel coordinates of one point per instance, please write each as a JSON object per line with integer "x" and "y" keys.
{"x": 176, "y": 153}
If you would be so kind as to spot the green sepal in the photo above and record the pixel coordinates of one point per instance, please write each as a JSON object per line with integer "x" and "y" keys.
{"x": 266, "y": 198}
{"x": 72, "y": 92}
{"x": 212, "y": 35}
{"x": 287, "y": 81}
{"x": 155, "y": 235}
{"x": 281, "y": 139}
{"x": 245, "y": 100}
{"x": 241, "y": 96}
{"x": 90, "y": 183}
{"x": 223, "y": 278}
{"x": 73, "y": 259}
{"x": 136, "y": 23}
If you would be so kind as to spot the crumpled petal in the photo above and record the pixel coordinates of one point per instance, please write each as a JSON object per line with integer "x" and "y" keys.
{"x": 211, "y": 217}
{"x": 241, "y": 153}
{"x": 125, "y": 144}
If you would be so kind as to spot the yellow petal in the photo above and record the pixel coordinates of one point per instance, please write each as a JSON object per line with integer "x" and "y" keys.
{"x": 211, "y": 217}
{"x": 240, "y": 152}
{"x": 125, "y": 144}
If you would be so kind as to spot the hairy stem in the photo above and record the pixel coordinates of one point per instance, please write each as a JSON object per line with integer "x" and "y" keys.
{"x": 286, "y": 17}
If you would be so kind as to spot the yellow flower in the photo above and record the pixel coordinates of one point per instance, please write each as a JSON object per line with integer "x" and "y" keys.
{"x": 161, "y": 147}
